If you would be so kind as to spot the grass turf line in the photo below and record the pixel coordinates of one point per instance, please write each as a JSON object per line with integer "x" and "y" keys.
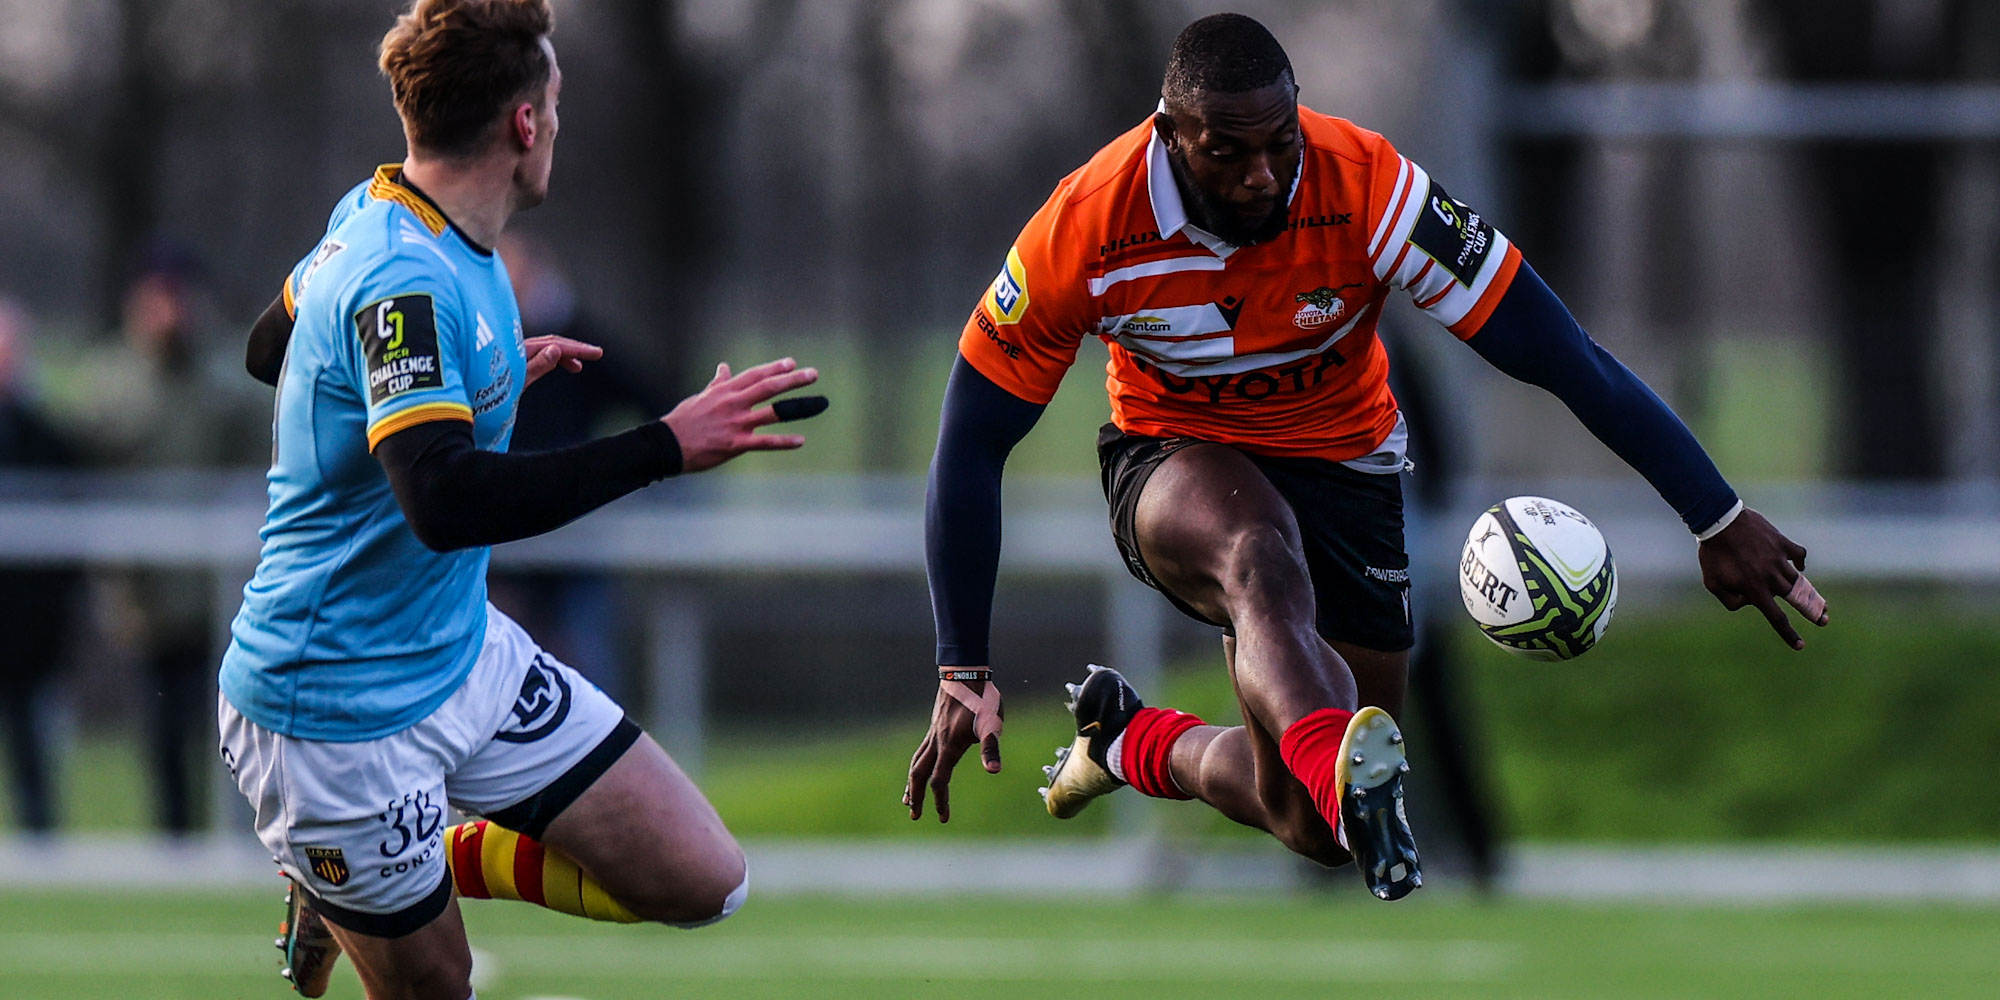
{"x": 175, "y": 946}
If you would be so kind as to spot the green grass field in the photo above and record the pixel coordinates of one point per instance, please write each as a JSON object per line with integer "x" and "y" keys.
{"x": 1687, "y": 725}
{"x": 212, "y": 947}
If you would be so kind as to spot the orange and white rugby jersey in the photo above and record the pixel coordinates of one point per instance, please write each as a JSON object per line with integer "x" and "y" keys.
{"x": 1269, "y": 347}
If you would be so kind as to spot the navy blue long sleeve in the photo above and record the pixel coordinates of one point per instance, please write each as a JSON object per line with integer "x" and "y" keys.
{"x": 1532, "y": 337}
{"x": 980, "y": 425}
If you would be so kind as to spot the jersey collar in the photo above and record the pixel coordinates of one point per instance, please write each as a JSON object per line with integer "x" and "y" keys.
{"x": 389, "y": 184}
{"x": 1170, "y": 213}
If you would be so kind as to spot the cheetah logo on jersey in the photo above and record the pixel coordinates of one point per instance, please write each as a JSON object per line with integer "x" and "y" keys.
{"x": 1322, "y": 306}
{"x": 1009, "y": 298}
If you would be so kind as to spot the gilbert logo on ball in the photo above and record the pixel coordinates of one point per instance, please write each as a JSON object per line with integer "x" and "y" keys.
{"x": 1538, "y": 578}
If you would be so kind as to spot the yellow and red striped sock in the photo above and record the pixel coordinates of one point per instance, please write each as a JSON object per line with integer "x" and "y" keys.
{"x": 493, "y": 862}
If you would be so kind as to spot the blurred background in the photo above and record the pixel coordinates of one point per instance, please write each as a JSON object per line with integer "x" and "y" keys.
{"x": 1784, "y": 214}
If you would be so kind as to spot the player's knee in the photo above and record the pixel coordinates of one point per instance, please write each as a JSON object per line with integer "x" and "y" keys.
{"x": 717, "y": 912}
{"x": 707, "y": 898}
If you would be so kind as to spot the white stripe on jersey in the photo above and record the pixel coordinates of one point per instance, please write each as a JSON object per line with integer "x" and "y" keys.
{"x": 1459, "y": 299}
{"x": 1396, "y": 196}
{"x": 1401, "y": 264}
{"x": 1403, "y": 221}
{"x": 1187, "y": 358}
{"x": 1199, "y": 262}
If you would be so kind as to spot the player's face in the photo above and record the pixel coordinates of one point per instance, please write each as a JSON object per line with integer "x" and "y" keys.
{"x": 1238, "y": 155}
{"x": 532, "y": 179}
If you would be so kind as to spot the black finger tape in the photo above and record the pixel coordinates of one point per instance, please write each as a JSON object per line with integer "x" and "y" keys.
{"x": 799, "y": 407}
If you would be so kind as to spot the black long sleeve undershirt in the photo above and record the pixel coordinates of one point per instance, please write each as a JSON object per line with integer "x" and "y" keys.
{"x": 1532, "y": 337}
{"x": 980, "y": 425}
{"x": 457, "y": 496}
{"x": 269, "y": 336}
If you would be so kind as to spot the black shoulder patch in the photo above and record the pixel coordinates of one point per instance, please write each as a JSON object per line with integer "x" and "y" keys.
{"x": 400, "y": 344}
{"x": 1454, "y": 235}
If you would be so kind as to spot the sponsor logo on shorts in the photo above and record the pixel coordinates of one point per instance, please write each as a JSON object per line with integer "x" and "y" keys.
{"x": 1388, "y": 575}
{"x": 414, "y": 821}
{"x": 542, "y": 705}
{"x": 329, "y": 864}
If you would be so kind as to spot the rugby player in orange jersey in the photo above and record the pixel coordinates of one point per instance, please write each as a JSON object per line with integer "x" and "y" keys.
{"x": 1234, "y": 251}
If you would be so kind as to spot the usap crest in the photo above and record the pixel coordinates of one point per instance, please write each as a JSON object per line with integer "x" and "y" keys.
{"x": 329, "y": 864}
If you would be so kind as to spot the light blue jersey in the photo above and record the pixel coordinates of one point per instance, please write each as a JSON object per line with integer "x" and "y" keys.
{"x": 352, "y": 629}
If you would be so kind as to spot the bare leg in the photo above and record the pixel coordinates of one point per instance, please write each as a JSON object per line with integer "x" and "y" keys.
{"x": 1237, "y": 769}
{"x": 1215, "y": 532}
{"x": 648, "y": 835}
{"x": 431, "y": 963}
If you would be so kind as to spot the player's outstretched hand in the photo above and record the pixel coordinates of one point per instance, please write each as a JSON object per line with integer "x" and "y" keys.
{"x": 720, "y": 422}
{"x": 546, "y": 354}
{"x": 966, "y": 712}
{"x": 1752, "y": 564}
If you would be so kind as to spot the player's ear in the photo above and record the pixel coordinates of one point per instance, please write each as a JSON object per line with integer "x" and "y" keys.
{"x": 526, "y": 124}
{"x": 1163, "y": 125}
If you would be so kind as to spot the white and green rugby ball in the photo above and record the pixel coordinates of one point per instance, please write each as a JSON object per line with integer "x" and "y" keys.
{"x": 1537, "y": 577}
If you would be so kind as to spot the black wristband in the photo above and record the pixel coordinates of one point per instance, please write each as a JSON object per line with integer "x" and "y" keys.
{"x": 963, "y": 674}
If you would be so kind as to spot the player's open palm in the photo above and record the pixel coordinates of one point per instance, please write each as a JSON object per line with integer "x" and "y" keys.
{"x": 720, "y": 422}
{"x": 966, "y": 713}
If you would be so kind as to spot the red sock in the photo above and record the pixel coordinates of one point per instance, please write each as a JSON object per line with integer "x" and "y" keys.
{"x": 1149, "y": 750}
{"x": 1311, "y": 748}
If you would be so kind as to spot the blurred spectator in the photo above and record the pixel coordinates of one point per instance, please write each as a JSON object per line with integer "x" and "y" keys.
{"x": 565, "y": 408}
{"x": 171, "y": 394}
{"x": 575, "y": 613}
{"x": 40, "y": 603}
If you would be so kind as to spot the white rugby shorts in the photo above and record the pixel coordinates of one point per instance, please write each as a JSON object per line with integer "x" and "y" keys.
{"x": 361, "y": 825}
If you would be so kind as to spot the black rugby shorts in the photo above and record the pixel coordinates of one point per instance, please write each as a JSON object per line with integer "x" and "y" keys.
{"x": 1350, "y": 522}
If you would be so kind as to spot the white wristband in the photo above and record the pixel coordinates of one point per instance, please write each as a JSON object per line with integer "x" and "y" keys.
{"x": 1720, "y": 523}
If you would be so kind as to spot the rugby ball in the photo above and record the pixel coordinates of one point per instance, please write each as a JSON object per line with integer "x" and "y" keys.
{"x": 1538, "y": 578}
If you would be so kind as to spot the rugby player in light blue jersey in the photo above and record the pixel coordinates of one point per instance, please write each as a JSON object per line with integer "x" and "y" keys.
{"x": 369, "y": 685}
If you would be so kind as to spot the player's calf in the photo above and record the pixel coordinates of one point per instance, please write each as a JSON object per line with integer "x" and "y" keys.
{"x": 1353, "y": 763}
{"x": 493, "y": 862}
